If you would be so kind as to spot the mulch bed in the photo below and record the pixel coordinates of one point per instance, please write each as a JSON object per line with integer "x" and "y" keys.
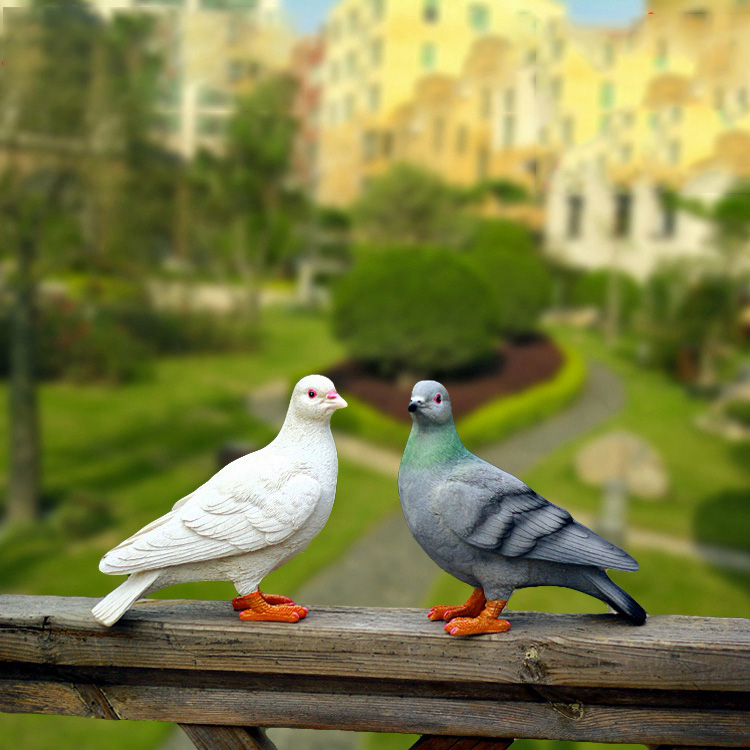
{"x": 517, "y": 367}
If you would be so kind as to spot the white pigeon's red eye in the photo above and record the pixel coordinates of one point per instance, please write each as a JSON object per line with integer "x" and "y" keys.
{"x": 312, "y": 393}
{"x": 438, "y": 399}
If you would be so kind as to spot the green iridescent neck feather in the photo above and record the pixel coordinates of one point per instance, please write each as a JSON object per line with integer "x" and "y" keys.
{"x": 432, "y": 444}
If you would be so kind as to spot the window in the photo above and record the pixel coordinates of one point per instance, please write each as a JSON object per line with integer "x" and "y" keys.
{"x": 626, "y": 153}
{"x": 742, "y": 99}
{"x": 654, "y": 120}
{"x": 509, "y": 126}
{"x": 575, "y": 214}
{"x": 607, "y": 95}
{"x": 479, "y": 18}
{"x": 369, "y": 145}
{"x": 662, "y": 54}
{"x": 609, "y": 54}
{"x": 373, "y": 98}
{"x": 628, "y": 118}
{"x": 558, "y": 48}
{"x": 568, "y": 130}
{"x": 604, "y": 123}
{"x": 556, "y": 88}
{"x": 676, "y": 114}
{"x": 719, "y": 99}
{"x": 485, "y": 102}
{"x": 167, "y": 123}
{"x": 483, "y": 163}
{"x": 235, "y": 71}
{"x": 431, "y": 11}
{"x": 531, "y": 57}
{"x": 438, "y": 134}
{"x": 334, "y": 31}
{"x": 333, "y": 113}
{"x": 334, "y": 71}
{"x": 668, "y": 213}
{"x": 462, "y": 139}
{"x": 387, "y": 144}
{"x": 351, "y": 63}
{"x": 211, "y": 125}
{"x": 349, "y": 107}
{"x": 510, "y": 99}
{"x": 623, "y": 213}
{"x": 429, "y": 56}
{"x": 377, "y": 7}
{"x": 376, "y": 51}
{"x": 353, "y": 21}
{"x": 210, "y": 97}
{"x": 170, "y": 92}
{"x": 675, "y": 151}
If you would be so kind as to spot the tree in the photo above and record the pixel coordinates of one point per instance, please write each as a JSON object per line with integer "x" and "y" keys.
{"x": 410, "y": 205}
{"x": 716, "y": 293}
{"x": 246, "y": 188}
{"x": 68, "y": 119}
{"x": 505, "y": 255}
{"x": 416, "y": 310}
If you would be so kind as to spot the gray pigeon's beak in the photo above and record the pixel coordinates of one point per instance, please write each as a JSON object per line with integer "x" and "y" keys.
{"x": 414, "y": 404}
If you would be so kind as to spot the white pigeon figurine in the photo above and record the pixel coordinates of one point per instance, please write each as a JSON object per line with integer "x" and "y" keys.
{"x": 250, "y": 518}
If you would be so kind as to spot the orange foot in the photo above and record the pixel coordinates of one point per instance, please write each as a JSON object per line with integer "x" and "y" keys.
{"x": 473, "y": 608}
{"x": 486, "y": 622}
{"x": 268, "y": 608}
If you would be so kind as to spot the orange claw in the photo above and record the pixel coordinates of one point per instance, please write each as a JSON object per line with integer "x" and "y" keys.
{"x": 472, "y": 608}
{"x": 486, "y": 622}
{"x": 268, "y": 608}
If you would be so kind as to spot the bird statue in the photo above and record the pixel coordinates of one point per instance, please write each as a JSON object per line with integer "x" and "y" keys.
{"x": 250, "y": 518}
{"x": 490, "y": 530}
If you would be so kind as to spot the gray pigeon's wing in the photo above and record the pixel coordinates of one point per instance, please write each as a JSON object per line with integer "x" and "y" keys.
{"x": 490, "y": 509}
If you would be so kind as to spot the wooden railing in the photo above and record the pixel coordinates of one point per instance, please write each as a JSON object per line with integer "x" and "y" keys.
{"x": 676, "y": 681}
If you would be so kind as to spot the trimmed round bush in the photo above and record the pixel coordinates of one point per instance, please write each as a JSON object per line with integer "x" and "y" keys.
{"x": 522, "y": 286}
{"x": 420, "y": 311}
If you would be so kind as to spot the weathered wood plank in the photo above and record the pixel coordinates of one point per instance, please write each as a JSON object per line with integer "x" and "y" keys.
{"x": 588, "y": 651}
{"x": 486, "y": 717}
{"x": 206, "y": 737}
{"x": 434, "y": 742}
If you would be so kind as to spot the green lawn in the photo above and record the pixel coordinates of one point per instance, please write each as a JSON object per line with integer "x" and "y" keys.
{"x": 138, "y": 449}
{"x": 710, "y": 478}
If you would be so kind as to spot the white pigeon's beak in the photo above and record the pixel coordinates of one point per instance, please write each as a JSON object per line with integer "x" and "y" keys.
{"x": 335, "y": 401}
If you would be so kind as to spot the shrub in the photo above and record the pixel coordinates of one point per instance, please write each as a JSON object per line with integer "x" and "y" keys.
{"x": 422, "y": 311}
{"x": 739, "y": 411}
{"x": 80, "y": 344}
{"x": 522, "y": 286}
{"x": 592, "y": 290}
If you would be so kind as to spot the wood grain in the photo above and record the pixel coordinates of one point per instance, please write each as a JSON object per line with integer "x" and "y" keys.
{"x": 593, "y": 651}
{"x": 207, "y": 737}
{"x": 674, "y": 682}
{"x": 434, "y": 742}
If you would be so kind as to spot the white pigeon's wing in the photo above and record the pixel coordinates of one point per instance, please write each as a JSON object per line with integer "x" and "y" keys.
{"x": 232, "y": 513}
{"x": 493, "y": 510}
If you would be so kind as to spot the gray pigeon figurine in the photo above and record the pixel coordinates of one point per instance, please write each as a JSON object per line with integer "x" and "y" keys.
{"x": 491, "y": 531}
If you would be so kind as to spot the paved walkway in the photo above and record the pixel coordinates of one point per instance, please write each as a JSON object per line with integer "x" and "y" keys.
{"x": 371, "y": 572}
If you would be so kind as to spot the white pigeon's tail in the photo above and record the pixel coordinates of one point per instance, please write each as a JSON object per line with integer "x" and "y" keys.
{"x": 114, "y": 605}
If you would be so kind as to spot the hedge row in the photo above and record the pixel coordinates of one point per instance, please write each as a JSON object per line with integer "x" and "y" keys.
{"x": 487, "y": 424}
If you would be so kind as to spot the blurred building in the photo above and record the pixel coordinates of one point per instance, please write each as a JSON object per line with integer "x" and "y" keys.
{"x": 213, "y": 50}
{"x": 599, "y": 124}
{"x": 415, "y": 80}
{"x": 306, "y": 66}
{"x": 668, "y": 111}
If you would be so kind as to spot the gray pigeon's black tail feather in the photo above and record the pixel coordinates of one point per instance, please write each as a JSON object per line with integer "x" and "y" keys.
{"x": 612, "y": 594}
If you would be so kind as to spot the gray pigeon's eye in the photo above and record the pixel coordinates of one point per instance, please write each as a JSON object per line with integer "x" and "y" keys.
{"x": 438, "y": 399}
{"x": 312, "y": 393}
